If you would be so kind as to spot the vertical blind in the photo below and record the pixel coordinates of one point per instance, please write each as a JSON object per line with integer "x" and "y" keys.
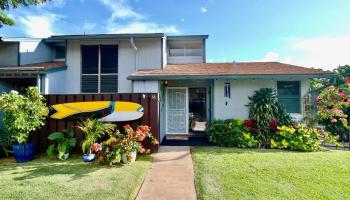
{"x": 99, "y": 68}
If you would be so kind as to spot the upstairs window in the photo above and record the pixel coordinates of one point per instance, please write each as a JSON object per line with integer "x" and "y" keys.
{"x": 60, "y": 52}
{"x": 188, "y": 48}
{"x": 289, "y": 95}
{"x": 99, "y": 65}
{"x": 227, "y": 90}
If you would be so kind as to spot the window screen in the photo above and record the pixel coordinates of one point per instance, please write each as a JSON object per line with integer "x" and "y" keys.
{"x": 109, "y": 59}
{"x": 89, "y": 59}
{"x": 289, "y": 95}
{"x": 60, "y": 52}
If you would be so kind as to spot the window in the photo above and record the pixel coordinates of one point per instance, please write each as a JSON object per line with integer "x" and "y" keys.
{"x": 99, "y": 68}
{"x": 60, "y": 52}
{"x": 187, "y": 48}
{"x": 227, "y": 90}
{"x": 289, "y": 95}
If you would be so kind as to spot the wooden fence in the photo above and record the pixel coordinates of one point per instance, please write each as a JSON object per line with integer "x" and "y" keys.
{"x": 149, "y": 101}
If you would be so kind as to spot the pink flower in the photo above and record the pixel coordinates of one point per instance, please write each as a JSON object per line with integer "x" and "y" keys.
{"x": 318, "y": 100}
{"x": 347, "y": 80}
{"x": 333, "y": 97}
{"x": 96, "y": 147}
{"x": 342, "y": 94}
{"x": 333, "y": 120}
{"x": 348, "y": 101}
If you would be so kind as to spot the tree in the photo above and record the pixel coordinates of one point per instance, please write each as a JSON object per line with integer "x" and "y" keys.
{"x": 7, "y": 4}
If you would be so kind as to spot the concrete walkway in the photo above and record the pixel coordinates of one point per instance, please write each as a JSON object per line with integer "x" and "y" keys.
{"x": 171, "y": 175}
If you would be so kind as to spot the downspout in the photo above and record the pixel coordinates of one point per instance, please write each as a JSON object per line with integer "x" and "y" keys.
{"x": 135, "y": 67}
{"x": 135, "y": 49}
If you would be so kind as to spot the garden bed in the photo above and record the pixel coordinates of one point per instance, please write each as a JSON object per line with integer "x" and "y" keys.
{"x": 44, "y": 178}
{"x": 230, "y": 173}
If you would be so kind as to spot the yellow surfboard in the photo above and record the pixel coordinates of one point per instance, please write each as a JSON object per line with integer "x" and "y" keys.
{"x": 119, "y": 111}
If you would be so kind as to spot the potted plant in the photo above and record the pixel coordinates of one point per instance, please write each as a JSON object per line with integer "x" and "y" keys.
{"x": 131, "y": 142}
{"x": 93, "y": 130}
{"x": 23, "y": 114}
{"x": 65, "y": 142}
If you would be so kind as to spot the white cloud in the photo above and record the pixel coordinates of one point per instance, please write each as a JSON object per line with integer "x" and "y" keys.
{"x": 326, "y": 52}
{"x": 89, "y": 26}
{"x": 204, "y": 9}
{"x": 120, "y": 9}
{"x": 125, "y": 20}
{"x": 142, "y": 27}
{"x": 39, "y": 25}
{"x": 319, "y": 52}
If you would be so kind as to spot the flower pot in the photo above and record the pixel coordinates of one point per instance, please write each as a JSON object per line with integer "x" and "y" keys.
{"x": 132, "y": 157}
{"x": 64, "y": 157}
{"x": 23, "y": 153}
{"x": 89, "y": 158}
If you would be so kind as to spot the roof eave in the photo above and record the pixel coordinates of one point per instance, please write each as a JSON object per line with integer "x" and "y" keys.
{"x": 260, "y": 76}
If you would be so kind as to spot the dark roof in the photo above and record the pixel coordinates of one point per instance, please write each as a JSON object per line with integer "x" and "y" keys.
{"x": 104, "y": 36}
{"x": 31, "y": 69}
{"x": 237, "y": 69}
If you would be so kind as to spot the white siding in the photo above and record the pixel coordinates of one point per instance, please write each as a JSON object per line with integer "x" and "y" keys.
{"x": 8, "y": 53}
{"x": 148, "y": 56}
{"x": 55, "y": 82}
{"x": 146, "y": 87}
{"x": 240, "y": 91}
{"x": 34, "y": 51}
{"x": 185, "y": 44}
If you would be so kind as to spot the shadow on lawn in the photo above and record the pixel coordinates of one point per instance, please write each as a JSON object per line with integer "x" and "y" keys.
{"x": 43, "y": 166}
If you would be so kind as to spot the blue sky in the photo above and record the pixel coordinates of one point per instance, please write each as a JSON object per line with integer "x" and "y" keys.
{"x": 312, "y": 33}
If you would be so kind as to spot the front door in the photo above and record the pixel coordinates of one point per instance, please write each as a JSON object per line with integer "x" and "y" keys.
{"x": 177, "y": 110}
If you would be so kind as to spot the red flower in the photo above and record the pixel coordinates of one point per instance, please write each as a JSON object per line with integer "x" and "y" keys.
{"x": 250, "y": 123}
{"x": 100, "y": 159}
{"x": 144, "y": 128}
{"x": 347, "y": 80}
{"x": 273, "y": 124}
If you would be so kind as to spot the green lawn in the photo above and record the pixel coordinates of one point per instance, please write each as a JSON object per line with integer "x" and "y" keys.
{"x": 47, "y": 179}
{"x": 222, "y": 173}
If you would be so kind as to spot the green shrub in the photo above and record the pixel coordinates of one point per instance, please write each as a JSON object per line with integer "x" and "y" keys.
{"x": 231, "y": 133}
{"x": 23, "y": 114}
{"x": 264, "y": 108}
{"x": 297, "y": 138}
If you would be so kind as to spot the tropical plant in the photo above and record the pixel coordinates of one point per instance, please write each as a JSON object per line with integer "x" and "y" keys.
{"x": 65, "y": 142}
{"x": 299, "y": 138}
{"x": 93, "y": 130}
{"x": 231, "y": 133}
{"x": 23, "y": 114}
{"x": 265, "y": 109}
{"x": 333, "y": 105}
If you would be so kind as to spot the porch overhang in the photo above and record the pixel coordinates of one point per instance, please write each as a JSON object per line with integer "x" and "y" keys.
{"x": 31, "y": 70}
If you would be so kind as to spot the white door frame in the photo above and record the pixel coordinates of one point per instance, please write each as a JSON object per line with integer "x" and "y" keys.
{"x": 166, "y": 110}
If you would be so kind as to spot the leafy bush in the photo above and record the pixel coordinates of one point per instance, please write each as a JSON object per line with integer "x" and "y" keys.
{"x": 333, "y": 105}
{"x": 297, "y": 138}
{"x": 65, "y": 141}
{"x": 23, "y": 114}
{"x": 231, "y": 133}
{"x": 264, "y": 108}
{"x": 93, "y": 130}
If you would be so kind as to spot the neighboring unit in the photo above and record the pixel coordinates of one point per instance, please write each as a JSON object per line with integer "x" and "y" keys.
{"x": 173, "y": 66}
